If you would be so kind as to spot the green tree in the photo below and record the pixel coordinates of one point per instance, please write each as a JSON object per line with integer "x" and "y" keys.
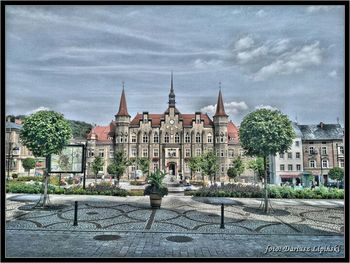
{"x": 143, "y": 163}
{"x": 96, "y": 166}
{"x": 257, "y": 165}
{"x": 118, "y": 166}
{"x": 237, "y": 168}
{"x": 28, "y": 163}
{"x": 194, "y": 163}
{"x": 45, "y": 133}
{"x": 209, "y": 165}
{"x": 336, "y": 173}
{"x": 266, "y": 132}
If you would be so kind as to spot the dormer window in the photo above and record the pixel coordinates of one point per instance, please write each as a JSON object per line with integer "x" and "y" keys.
{"x": 187, "y": 138}
{"x": 198, "y": 137}
{"x": 155, "y": 138}
{"x": 133, "y": 137}
{"x": 145, "y": 138}
{"x": 177, "y": 138}
{"x": 210, "y": 138}
{"x": 166, "y": 138}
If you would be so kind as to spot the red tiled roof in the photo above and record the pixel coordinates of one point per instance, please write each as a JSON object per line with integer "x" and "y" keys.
{"x": 154, "y": 117}
{"x": 101, "y": 132}
{"x": 186, "y": 118}
{"x": 232, "y": 132}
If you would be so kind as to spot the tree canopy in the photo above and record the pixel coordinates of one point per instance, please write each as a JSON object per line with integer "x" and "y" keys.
{"x": 97, "y": 165}
{"x": 237, "y": 168}
{"x": 336, "y": 173}
{"x": 118, "y": 165}
{"x": 45, "y": 133}
{"x": 264, "y": 132}
{"x": 28, "y": 163}
{"x": 209, "y": 164}
{"x": 257, "y": 166}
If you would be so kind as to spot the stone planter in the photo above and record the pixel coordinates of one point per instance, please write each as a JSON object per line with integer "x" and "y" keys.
{"x": 155, "y": 200}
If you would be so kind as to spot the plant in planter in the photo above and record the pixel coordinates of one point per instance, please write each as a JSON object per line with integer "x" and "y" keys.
{"x": 156, "y": 190}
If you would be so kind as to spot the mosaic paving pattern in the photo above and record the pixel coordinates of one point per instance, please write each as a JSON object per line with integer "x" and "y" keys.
{"x": 179, "y": 215}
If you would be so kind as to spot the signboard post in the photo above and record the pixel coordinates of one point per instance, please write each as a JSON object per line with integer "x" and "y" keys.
{"x": 70, "y": 160}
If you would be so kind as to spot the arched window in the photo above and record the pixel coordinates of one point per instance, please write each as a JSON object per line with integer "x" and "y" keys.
{"x": 210, "y": 138}
{"x": 187, "y": 138}
{"x": 155, "y": 138}
{"x": 166, "y": 138}
{"x": 145, "y": 138}
{"x": 177, "y": 138}
{"x": 324, "y": 163}
{"x": 198, "y": 137}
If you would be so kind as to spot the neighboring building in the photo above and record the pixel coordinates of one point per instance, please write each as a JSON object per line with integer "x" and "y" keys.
{"x": 288, "y": 167}
{"x": 323, "y": 149}
{"x": 167, "y": 139}
{"x": 15, "y": 152}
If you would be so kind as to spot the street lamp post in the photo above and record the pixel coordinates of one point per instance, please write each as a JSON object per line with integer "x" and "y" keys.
{"x": 9, "y": 160}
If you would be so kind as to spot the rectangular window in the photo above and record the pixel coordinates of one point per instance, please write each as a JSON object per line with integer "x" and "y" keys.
{"x": 222, "y": 153}
{"x": 111, "y": 153}
{"x": 282, "y": 167}
{"x": 222, "y": 168}
{"x": 341, "y": 163}
{"x": 341, "y": 150}
{"x": 198, "y": 152}
{"x": 101, "y": 153}
{"x": 324, "y": 150}
{"x": 145, "y": 138}
{"x": 171, "y": 152}
{"x": 133, "y": 168}
{"x": 187, "y": 152}
{"x": 297, "y": 143}
{"x": 231, "y": 153}
{"x": 144, "y": 152}
{"x": 297, "y": 155}
{"x": 290, "y": 167}
{"x": 290, "y": 156}
{"x": 324, "y": 163}
{"x": 281, "y": 155}
{"x": 210, "y": 138}
{"x": 133, "y": 138}
{"x": 298, "y": 167}
{"x": 312, "y": 164}
{"x": 133, "y": 152}
{"x": 155, "y": 152}
{"x": 311, "y": 150}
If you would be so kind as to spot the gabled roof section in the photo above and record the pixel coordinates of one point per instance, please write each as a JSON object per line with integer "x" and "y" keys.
{"x": 232, "y": 132}
{"x": 102, "y": 133}
{"x": 189, "y": 118}
{"x": 12, "y": 125}
{"x": 322, "y": 132}
{"x": 155, "y": 119}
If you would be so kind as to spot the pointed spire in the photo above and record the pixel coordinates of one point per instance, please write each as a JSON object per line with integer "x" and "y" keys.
{"x": 123, "y": 109}
{"x": 220, "y": 109}
{"x": 172, "y": 93}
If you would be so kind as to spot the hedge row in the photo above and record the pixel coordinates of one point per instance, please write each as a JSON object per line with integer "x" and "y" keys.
{"x": 250, "y": 191}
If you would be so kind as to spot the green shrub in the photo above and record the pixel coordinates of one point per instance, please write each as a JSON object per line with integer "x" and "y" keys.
{"x": 14, "y": 176}
{"x": 138, "y": 182}
{"x": 29, "y": 178}
{"x": 135, "y": 192}
{"x": 35, "y": 188}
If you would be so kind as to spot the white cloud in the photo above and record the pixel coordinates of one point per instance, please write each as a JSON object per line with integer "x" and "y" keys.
{"x": 292, "y": 62}
{"x": 312, "y": 9}
{"x": 244, "y": 43}
{"x": 333, "y": 74}
{"x": 231, "y": 108}
{"x": 268, "y": 107}
{"x": 247, "y": 56}
{"x": 280, "y": 46}
{"x": 36, "y": 110}
{"x": 202, "y": 64}
{"x": 261, "y": 13}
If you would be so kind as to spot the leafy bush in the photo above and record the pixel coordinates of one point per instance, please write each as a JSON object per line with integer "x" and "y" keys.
{"x": 103, "y": 188}
{"x": 14, "y": 176}
{"x": 34, "y": 188}
{"x": 29, "y": 178}
{"x": 251, "y": 191}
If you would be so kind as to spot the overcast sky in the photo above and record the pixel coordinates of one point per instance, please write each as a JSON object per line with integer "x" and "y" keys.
{"x": 73, "y": 59}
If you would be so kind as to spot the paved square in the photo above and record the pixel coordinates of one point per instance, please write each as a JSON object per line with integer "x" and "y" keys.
{"x": 145, "y": 232}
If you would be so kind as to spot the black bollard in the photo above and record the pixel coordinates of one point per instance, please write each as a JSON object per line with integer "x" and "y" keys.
{"x": 75, "y": 214}
{"x": 222, "y": 216}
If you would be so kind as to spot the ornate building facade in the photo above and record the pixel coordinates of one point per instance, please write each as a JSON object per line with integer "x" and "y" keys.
{"x": 168, "y": 139}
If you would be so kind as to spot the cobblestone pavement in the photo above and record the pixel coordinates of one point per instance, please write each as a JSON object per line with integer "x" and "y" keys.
{"x": 143, "y": 232}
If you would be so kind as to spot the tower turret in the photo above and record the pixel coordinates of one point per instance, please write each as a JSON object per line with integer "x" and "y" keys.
{"x": 122, "y": 120}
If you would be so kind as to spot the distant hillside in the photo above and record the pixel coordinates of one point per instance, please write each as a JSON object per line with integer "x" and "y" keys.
{"x": 79, "y": 128}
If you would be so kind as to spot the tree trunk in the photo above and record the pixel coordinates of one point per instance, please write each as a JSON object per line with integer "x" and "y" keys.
{"x": 45, "y": 189}
{"x": 265, "y": 186}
